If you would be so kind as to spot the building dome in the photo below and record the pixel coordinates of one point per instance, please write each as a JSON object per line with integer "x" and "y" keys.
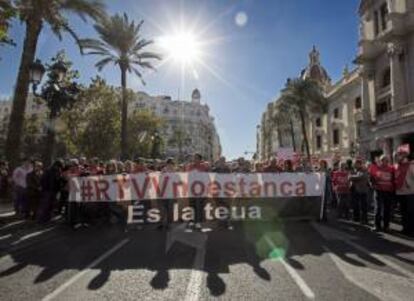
{"x": 315, "y": 70}
{"x": 196, "y": 96}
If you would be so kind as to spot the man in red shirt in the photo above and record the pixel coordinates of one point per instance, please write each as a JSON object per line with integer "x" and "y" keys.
{"x": 382, "y": 178}
{"x": 197, "y": 165}
{"x": 341, "y": 188}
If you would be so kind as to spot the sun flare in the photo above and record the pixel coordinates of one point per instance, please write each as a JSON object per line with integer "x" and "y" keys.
{"x": 181, "y": 47}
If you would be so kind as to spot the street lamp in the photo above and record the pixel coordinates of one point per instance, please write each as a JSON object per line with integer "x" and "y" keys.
{"x": 37, "y": 70}
{"x": 56, "y": 96}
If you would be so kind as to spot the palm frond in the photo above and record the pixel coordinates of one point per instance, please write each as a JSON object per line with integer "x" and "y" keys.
{"x": 102, "y": 63}
{"x": 94, "y": 9}
{"x": 120, "y": 41}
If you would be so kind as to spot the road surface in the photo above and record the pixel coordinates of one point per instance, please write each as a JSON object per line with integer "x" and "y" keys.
{"x": 290, "y": 260}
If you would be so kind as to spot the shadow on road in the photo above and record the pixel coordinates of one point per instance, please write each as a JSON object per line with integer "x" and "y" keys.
{"x": 249, "y": 243}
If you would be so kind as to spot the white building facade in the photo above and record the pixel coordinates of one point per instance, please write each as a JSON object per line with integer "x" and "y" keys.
{"x": 188, "y": 126}
{"x": 386, "y": 59}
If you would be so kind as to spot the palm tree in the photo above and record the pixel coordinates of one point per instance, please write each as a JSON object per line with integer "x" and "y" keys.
{"x": 284, "y": 117}
{"x": 34, "y": 14}
{"x": 120, "y": 43}
{"x": 303, "y": 97}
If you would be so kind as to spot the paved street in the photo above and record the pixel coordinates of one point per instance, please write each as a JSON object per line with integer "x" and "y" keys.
{"x": 296, "y": 260}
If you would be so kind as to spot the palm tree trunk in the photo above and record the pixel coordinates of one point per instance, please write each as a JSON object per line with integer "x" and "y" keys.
{"x": 292, "y": 134}
{"x": 305, "y": 134}
{"x": 14, "y": 136}
{"x": 124, "y": 115}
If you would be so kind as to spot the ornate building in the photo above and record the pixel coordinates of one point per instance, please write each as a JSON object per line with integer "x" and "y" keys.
{"x": 188, "y": 126}
{"x": 386, "y": 60}
{"x": 370, "y": 109}
{"x": 329, "y": 133}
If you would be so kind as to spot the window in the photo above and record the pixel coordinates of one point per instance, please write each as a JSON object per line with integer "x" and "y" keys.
{"x": 335, "y": 137}
{"x": 383, "y": 106}
{"x": 358, "y": 103}
{"x": 358, "y": 129}
{"x": 318, "y": 142}
{"x": 376, "y": 23}
{"x": 386, "y": 78}
{"x": 384, "y": 16}
{"x": 336, "y": 113}
{"x": 318, "y": 122}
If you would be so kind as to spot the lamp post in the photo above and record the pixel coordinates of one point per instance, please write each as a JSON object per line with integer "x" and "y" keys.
{"x": 156, "y": 143}
{"x": 57, "y": 95}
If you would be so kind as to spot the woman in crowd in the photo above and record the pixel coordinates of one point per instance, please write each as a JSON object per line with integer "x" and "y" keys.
{"x": 34, "y": 192}
{"x": 341, "y": 188}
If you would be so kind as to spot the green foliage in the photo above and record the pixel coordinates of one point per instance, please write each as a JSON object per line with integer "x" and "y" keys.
{"x": 142, "y": 127}
{"x": 300, "y": 98}
{"x": 92, "y": 127}
{"x": 54, "y": 12}
{"x": 32, "y": 138}
{"x": 71, "y": 74}
{"x": 7, "y": 12}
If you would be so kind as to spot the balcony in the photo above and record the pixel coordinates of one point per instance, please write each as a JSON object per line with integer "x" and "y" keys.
{"x": 404, "y": 112}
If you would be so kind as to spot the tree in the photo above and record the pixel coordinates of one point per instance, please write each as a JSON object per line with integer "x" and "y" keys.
{"x": 284, "y": 118}
{"x": 303, "y": 97}
{"x": 120, "y": 43}
{"x": 59, "y": 95}
{"x": 91, "y": 127}
{"x": 34, "y": 14}
{"x": 142, "y": 130}
{"x": 32, "y": 137}
{"x": 7, "y": 12}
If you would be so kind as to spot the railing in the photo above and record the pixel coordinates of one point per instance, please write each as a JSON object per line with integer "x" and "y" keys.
{"x": 394, "y": 115}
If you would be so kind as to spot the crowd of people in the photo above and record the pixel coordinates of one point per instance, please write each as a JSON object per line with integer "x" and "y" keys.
{"x": 352, "y": 187}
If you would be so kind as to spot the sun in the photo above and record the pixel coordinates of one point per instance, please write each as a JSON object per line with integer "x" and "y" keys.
{"x": 182, "y": 47}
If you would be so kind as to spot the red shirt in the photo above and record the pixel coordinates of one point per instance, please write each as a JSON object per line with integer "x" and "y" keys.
{"x": 95, "y": 170}
{"x": 272, "y": 168}
{"x": 74, "y": 171}
{"x": 140, "y": 168}
{"x": 383, "y": 177}
{"x": 401, "y": 170}
{"x": 340, "y": 181}
{"x": 201, "y": 167}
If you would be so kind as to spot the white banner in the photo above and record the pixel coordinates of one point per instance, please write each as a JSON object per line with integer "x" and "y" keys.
{"x": 150, "y": 186}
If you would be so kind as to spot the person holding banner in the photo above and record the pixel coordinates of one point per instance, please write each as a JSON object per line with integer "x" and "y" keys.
{"x": 382, "y": 178}
{"x": 404, "y": 185}
{"x": 221, "y": 167}
{"x": 197, "y": 165}
{"x": 167, "y": 204}
{"x": 341, "y": 189}
{"x": 273, "y": 166}
{"x": 359, "y": 181}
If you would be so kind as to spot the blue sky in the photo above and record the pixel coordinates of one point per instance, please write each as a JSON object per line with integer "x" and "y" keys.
{"x": 244, "y": 66}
